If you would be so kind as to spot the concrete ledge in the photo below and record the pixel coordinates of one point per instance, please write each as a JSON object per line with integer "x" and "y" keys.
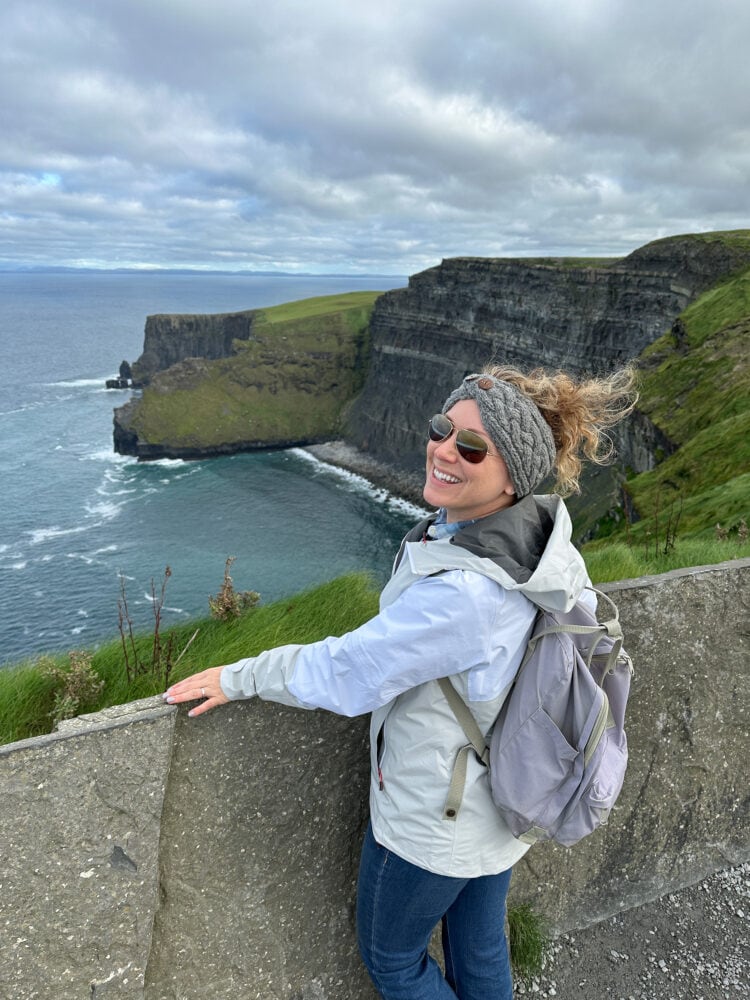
{"x": 79, "y": 838}
{"x": 684, "y": 811}
{"x": 153, "y": 856}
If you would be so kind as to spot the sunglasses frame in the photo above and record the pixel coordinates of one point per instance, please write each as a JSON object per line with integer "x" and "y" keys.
{"x": 472, "y": 447}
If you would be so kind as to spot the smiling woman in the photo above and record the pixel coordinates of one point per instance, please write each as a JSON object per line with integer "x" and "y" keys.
{"x": 458, "y": 478}
{"x": 460, "y": 605}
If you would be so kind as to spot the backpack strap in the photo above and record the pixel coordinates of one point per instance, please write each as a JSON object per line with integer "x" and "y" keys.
{"x": 476, "y": 742}
{"x": 610, "y": 628}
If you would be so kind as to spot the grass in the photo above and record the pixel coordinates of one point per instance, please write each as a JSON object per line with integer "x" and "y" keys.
{"x": 695, "y": 387}
{"x": 528, "y": 940}
{"x": 27, "y": 691}
{"x": 288, "y": 383}
{"x": 321, "y": 305}
{"x": 619, "y": 561}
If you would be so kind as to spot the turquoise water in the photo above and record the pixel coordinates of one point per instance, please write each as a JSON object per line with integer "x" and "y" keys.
{"x": 76, "y": 517}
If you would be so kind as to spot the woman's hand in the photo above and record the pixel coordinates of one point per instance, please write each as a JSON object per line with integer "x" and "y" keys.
{"x": 204, "y": 685}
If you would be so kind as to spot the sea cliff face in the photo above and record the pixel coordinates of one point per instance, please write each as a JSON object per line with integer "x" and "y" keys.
{"x": 371, "y": 375}
{"x": 170, "y": 339}
{"x": 454, "y": 318}
{"x": 265, "y": 378}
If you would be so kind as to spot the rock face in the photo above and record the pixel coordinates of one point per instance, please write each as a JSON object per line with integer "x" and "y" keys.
{"x": 169, "y": 339}
{"x": 222, "y": 371}
{"x": 454, "y": 318}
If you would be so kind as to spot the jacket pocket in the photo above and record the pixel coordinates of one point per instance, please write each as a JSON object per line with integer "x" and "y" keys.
{"x": 379, "y": 755}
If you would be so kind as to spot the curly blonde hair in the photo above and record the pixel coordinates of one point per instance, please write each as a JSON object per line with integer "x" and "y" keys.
{"x": 578, "y": 411}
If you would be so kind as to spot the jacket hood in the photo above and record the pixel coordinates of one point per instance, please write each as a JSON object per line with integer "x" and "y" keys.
{"x": 524, "y": 547}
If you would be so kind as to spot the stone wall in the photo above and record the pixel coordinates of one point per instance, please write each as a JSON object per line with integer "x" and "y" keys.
{"x": 146, "y": 855}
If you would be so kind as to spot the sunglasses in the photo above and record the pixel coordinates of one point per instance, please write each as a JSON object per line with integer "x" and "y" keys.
{"x": 469, "y": 445}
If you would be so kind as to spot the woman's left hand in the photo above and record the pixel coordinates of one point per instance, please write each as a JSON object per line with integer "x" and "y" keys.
{"x": 204, "y": 685}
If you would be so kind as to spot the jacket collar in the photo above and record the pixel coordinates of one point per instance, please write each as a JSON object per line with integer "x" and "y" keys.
{"x": 524, "y": 547}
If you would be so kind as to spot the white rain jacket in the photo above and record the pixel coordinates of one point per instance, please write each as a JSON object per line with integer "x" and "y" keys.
{"x": 460, "y": 607}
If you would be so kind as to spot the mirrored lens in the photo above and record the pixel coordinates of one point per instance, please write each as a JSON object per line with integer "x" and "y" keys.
{"x": 470, "y": 446}
{"x": 440, "y": 427}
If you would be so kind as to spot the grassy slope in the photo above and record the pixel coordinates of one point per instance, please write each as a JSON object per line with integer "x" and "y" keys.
{"x": 27, "y": 694}
{"x": 289, "y": 382}
{"x": 696, "y": 388}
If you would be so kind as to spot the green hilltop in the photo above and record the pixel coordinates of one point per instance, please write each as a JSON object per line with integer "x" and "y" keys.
{"x": 287, "y": 383}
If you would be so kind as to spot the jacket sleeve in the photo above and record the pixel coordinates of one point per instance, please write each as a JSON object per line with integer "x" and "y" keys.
{"x": 439, "y": 626}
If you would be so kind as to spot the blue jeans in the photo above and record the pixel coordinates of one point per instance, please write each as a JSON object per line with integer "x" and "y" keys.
{"x": 398, "y": 907}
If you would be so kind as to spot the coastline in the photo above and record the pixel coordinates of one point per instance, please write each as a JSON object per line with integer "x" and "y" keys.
{"x": 404, "y": 485}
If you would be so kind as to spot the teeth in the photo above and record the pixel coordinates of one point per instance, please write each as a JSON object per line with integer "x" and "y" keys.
{"x": 444, "y": 477}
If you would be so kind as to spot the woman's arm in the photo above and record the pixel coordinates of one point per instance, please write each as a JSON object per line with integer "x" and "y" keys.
{"x": 441, "y": 625}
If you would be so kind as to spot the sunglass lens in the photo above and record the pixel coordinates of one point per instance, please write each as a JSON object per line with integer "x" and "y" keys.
{"x": 471, "y": 447}
{"x": 440, "y": 427}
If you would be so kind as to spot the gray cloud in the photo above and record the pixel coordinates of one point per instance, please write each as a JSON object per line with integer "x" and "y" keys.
{"x": 366, "y": 137}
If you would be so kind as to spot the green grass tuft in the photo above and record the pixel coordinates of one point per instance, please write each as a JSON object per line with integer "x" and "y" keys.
{"x": 528, "y": 941}
{"x": 614, "y": 561}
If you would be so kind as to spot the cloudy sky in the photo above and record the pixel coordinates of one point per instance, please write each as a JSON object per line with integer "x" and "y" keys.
{"x": 366, "y": 135}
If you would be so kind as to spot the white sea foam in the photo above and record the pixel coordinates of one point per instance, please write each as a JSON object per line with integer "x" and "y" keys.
{"x": 81, "y": 383}
{"x": 360, "y": 484}
{"x": 114, "y": 493}
{"x": 79, "y": 555}
{"x": 110, "y": 455}
{"x": 11, "y": 556}
{"x": 169, "y": 462}
{"x": 33, "y": 405}
{"x": 39, "y": 535}
{"x": 106, "y": 510}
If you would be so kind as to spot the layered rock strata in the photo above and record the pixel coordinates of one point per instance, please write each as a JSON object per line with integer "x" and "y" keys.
{"x": 454, "y": 318}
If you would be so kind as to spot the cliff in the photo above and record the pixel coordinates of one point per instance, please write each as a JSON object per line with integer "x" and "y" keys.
{"x": 454, "y": 318}
{"x": 290, "y": 375}
{"x": 170, "y": 339}
{"x": 241, "y": 381}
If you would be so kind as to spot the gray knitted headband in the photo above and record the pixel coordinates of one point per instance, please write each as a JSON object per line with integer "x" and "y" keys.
{"x": 516, "y": 426}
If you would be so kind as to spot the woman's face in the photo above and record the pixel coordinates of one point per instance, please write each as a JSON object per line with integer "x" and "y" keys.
{"x": 466, "y": 491}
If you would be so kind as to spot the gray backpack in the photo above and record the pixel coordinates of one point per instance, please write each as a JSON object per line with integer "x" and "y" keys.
{"x": 557, "y": 752}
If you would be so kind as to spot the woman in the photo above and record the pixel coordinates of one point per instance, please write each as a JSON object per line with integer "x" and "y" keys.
{"x": 460, "y": 604}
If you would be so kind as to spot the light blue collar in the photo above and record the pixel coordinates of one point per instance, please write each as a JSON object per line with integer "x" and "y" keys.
{"x": 440, "y": 527}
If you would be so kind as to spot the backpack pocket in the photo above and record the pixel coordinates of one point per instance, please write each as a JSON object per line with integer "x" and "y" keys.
{"x": 593, "y": 807}
{"x": 540, "y": 768}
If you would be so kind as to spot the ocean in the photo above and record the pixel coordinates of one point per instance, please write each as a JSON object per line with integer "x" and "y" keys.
{"x": 78, "y": 519}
